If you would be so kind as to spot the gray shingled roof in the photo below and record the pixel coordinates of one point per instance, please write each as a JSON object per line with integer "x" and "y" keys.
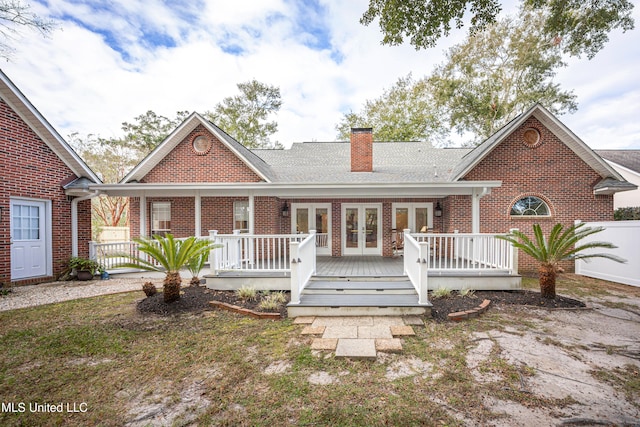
{"x": 629, "y": 159}
{"x": 330, "y": 162}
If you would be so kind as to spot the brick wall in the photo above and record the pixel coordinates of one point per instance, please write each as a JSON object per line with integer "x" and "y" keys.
{"x": 550, "y": 171}
{"x": 31, "y": 170}
{"x": 184, "y": 164}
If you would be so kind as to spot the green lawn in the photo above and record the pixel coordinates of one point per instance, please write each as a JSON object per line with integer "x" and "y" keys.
{"x": 112, "y": 365}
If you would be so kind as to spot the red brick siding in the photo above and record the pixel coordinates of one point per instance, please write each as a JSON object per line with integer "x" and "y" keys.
{"x": 182, "y": 164}
{"x": 550, "y": 171}
{"x": 31, "y": 170}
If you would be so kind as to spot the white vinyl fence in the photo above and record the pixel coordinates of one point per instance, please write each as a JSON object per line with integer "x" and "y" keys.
{"x": 626, "y": 236}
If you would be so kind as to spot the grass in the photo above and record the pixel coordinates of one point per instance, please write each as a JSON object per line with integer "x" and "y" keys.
{"x": 211, "y": 369}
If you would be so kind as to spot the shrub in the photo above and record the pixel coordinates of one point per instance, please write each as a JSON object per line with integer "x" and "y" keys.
{"x": 466, "y": 292}
{"x": 247, "y": 293}
{"x": 441, "y": 293}
{"x": 149, "y": 289}
{"x": 627, "y": 214}
{"x": 271, "y": 302}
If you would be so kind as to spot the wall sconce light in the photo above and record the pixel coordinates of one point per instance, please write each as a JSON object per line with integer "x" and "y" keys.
{"x": 1, "y": 208}
{"x": 285, "y": 210}
{"x": 438, "y": 210}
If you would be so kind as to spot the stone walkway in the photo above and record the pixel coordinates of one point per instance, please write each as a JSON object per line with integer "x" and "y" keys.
{"x": 358, "y": 337}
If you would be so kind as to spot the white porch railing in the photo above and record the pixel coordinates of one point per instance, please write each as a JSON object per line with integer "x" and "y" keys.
{"x": 415, "y": 265}
{"x": 251, "y": 252}
{"x": 303, "y": 265}
{"x": 109, "y": 255}
{"x": 468, "y": 252}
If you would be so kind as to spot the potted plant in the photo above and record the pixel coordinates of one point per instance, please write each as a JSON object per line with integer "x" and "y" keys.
{"x": 85, "y": 268}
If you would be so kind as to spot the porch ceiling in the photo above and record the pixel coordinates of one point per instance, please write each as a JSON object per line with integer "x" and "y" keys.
{"x": 377, "y": 190}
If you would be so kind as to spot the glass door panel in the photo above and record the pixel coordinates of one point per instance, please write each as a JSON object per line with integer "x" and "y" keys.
{"x": 352, "y": 217}
{"x": 302, "y": 220}
{"x": 371, "y": 215}
{"x": 421, "y": 222}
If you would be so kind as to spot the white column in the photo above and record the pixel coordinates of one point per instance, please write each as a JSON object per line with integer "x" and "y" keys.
{"x": 475, "y": 211}
{"x": 198, "y": 214}
{"x": 251, "y": 214}
{"x": 143, "y": 215}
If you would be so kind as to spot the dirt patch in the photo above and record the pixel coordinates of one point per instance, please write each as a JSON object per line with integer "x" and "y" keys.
{"x": 445, "y": 305}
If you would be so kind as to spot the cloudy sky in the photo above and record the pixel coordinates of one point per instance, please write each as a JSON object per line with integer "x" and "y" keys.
{"x": 110, "y": 61}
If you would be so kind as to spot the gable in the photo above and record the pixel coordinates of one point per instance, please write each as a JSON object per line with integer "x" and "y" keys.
{"x": 211, "y": 161}
{"x": 551, "y": 124}
{"x": 24, "y": 156}
{"x": 516, "y": 161}
{"x": 32, "y": 119}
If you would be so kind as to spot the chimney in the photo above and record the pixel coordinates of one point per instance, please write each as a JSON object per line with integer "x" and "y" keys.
{"x": 361, "y": 150}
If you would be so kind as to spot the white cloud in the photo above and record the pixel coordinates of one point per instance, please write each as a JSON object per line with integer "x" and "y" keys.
{"x": 80, "y": 83}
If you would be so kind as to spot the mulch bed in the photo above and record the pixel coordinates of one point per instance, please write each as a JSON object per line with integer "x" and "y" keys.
{"x": 195, "y": 299}
{"x": 443, "y": 306}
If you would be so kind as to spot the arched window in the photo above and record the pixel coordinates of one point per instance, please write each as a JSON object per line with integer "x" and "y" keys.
{"x": 530, "y": 206}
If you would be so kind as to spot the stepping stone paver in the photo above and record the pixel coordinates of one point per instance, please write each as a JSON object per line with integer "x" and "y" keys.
{"x": 357, "y": 321}
{"x": 340, "y": 332}
{"x": 413, "y": 321}
{"x": 324, "y": 344}
{"x": 389, "y": 345}
{"x": 304, "y": 320}
{"x": 328, "y": 321}
{"x": 402, "y": 331}
{"x": 388, "y": 320}
{"x": 313, "y": 330}
{"x": 356, "y": 348}
{"x": 377, "y": 331}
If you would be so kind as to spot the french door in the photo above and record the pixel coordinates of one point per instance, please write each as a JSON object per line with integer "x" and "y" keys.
{"x": 29, "y": 234}
{"x": 313, "y": 216}
{"x": 361, "y": 231}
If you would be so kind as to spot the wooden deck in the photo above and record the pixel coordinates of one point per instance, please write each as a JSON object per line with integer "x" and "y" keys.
{"x": 359, "y": 266}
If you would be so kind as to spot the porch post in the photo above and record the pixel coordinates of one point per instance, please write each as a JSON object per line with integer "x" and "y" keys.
{"x": 514, "y": 255}
{"x": 475, "y": 211}
{"x": 197, "y": 221}
{"x": 212, "y": 253}
{"x": 143, "y": 215}
{"x": 251, "y": 213}
{"x": 295, "y": 287}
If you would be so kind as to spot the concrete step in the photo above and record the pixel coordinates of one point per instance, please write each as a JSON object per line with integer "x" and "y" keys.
{"x": 330, "y": 287}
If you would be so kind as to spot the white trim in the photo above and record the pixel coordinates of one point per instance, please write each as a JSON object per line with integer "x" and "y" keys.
{"x": 297, "y": 190}
{"x": 197, "y": 207}
{"x": 143, "y": 215}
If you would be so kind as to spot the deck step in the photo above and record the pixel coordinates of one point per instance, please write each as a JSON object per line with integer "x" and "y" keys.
{"x": 391, "y": 278}
{"x": 330, "y": 287}
{"x": 358, "y": 305}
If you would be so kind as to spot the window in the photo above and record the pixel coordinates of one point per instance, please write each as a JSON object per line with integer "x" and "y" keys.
{"x": 530, "y": 206}
{"x": 241, "y": 216}
{"x": 160, "y": 218}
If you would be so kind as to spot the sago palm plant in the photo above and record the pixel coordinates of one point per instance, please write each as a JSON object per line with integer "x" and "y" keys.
{"x": 169, "y": 255}
{"x": 562, "y": 244}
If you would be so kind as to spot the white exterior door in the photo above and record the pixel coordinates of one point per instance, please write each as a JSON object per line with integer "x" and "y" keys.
{"x": 361, "y": 231}
{"x": 313, "y": 216}
{"x": 29, "y": 234}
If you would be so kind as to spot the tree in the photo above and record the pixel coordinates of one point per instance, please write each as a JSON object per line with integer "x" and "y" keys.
{"x": 498, "y": 73}
{"x": 169, "y": 255}
{"x": 244, "y": 116}
{"x": 149, "y": 130}
{"x": 582, "y": 26}
{"x": 14, "y": 15}
{"x": 403, "y": 113}
{"x": 560, "y": 246}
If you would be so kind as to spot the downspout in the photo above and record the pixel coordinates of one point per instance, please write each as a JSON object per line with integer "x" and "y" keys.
{"x": 74, "y": 220}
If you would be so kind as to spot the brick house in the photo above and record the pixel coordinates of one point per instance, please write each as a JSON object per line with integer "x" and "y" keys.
{"x": 360, "y": 195}
{"x": 45, "y": 214}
